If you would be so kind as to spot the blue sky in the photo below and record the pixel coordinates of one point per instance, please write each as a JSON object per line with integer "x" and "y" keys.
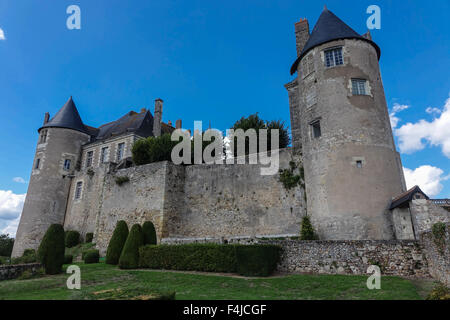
{"x": 208, "y": 60}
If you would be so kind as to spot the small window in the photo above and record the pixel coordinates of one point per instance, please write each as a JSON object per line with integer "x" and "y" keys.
{"x": 43, "y": 138}
{"x": 120, "y": 149}
{"x": 38, "y": 162}
{"x": 104, "y": 154}
{"x": 316, "y": 131}
{"x": 359, "y": 87}
{"x": 333, "y": 57}
{"x": 89, "y": 157}
{"x": 359, "y": 164}
{"x": 67, "y": 164}
{"x": 78, "y": 189}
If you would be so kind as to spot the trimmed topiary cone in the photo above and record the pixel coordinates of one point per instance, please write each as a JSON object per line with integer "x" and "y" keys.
{"x": 149, "y": 233}
{"x": 129, "y": 259}
{"x": 116, "y": 243}
{"x": 51, "y": 249}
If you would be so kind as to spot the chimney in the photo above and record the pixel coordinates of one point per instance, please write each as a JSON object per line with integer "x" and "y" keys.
{"x": 46, "y": 117}
{"x": 157, "y": 117}
{"x": 169, "y": 123}
{"x": 367, "y": 35}
{"x": 301, "y": 34}
{"x": 143, "y": 110}
{"x": 178, "y": 124}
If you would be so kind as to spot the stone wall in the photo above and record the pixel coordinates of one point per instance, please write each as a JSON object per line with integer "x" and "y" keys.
{"x": 14, "y": 271}
{"x": 425, "y": 213}
{"x": 186, "y": 201}
{"x": 438, "y": 256}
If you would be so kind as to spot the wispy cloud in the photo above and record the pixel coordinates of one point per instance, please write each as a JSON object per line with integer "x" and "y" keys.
{"x": 19, "y": 180}
{"x": 2, "y": 34}
{"x": 396, "y": 109}
{"x": 415, "y": 136}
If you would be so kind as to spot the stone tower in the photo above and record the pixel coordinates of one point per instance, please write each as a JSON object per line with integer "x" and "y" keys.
{"x": 340, "y": 123}
{"x": 57, "y": 153}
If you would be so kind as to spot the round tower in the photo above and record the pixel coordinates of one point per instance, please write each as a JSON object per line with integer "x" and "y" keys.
{"x": 57, "y": 153}
{"x": 352, "y": 169}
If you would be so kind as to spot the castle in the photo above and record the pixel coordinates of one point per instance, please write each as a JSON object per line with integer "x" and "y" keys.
{"x": 341, "y": 135}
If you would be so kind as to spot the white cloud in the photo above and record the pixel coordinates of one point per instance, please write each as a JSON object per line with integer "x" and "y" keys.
{"x": 2, "y": 34}
{"x": 396, "y": 109}
{"x": 431, "y": 110}
{"x": 11, "y": 205}
{"x": 19, "y": 180}
{"x": 415, "y": 136}
{"x": 428, "y": 178}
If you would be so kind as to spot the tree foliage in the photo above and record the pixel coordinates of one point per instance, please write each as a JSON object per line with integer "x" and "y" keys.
{"x": 149, "y": 232}
{"x": 116, "y": 243}
{"x": 307, "y": 231}
{"x": 51, "y": 249}
{"x": 6, "y": 245}
{"x": 129, "y": 258}
{"x": 153, "y": 149}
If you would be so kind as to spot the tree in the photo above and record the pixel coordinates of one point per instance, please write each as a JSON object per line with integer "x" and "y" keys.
{"x": 6, "y": 245}
{"x": 72, "y": 238}
{"x": 116, "y": 243}
{"x": 153, "y": 149}
{"x": 51, "y": 249}
{"x": 149, "y": 232}
{"x": 129, "y": 258}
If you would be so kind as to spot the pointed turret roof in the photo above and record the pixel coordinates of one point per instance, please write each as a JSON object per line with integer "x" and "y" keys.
{"x": 329, "y": 28}
{"x": 67, "y": 117}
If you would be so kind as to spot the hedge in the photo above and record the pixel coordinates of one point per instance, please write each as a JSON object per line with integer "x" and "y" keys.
{"x": 51, "y": 249}
{"x": 211, "y": 258}
{"x": 149, "y": 232}
{"x": 72, "y": 238}
{"x": 257, "y": 260}
{"x": 68, "y": 258}
{"x": 28, "y": 256}
{"x": 92, "y": 256}
{"x": 89, "y": 237}
{"x": 116, "y": 243}
{"x": 129, "y": 258}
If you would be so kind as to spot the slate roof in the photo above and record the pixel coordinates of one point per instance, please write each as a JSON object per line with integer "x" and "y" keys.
{"x": 139, "y": 123}
{"x": 67, "y": 117}
{"x": 329, "y": 28}
{"x": 406, "y": 197}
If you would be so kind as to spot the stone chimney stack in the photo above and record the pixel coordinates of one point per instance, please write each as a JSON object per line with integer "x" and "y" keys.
{"x": 46, "y": 117}
{"x": 169, "y": 123}
{"x": 301, "y": 34}
{"x": 178, "y": 124}
{"x": 157, "y": 117}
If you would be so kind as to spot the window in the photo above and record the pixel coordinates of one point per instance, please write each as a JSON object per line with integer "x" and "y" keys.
{"x": 120, "y": 149}
{"x": 359, "y": 164}
{"x": 333, "y": 57}
{"x": 104, "y": 154}
{"x": 359, "y": 87}
{"x": 38, "y": 162}
{"x": 89, "y": 157}
{"x": 78, "y": 189}
{"x": 43, "y": 138}
{"x": 67, "y": 164}
{"x": 315, "y": 128}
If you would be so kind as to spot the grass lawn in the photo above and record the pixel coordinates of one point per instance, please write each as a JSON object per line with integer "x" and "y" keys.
{"x": 100, "y": 276}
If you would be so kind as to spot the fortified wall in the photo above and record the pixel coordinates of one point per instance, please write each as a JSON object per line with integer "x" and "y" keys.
{"x": 186, "y": 201}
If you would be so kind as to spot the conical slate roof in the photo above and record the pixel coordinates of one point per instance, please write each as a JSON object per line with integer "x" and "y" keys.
{"x": 67, "y": 117}
{"x": 329, "y": 28}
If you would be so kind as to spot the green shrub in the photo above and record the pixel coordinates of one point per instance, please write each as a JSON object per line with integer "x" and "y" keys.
{"x": 51, "y": 250}
{"x": 148, "y": 229}
{"x": 68, "y": 258}
{"x": 129, "y": 258}
{"x": 27, "y": 274}
{"x": 4, "y": 260}
{"x": 439, "y": 292}
{"x": 6, "y": 245}
{"x": 28, "y": 256}
{"x": 116, "y": 243}
{"x": 89, "y": 237}
{"x": 92, "y": 256}
{"x": 121, "y": 180}
{"x": 257, "y": 260}
{"x": 72, "y": 238}
{"x": 307, "y": 231}
{"x": 189, "y": 257}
